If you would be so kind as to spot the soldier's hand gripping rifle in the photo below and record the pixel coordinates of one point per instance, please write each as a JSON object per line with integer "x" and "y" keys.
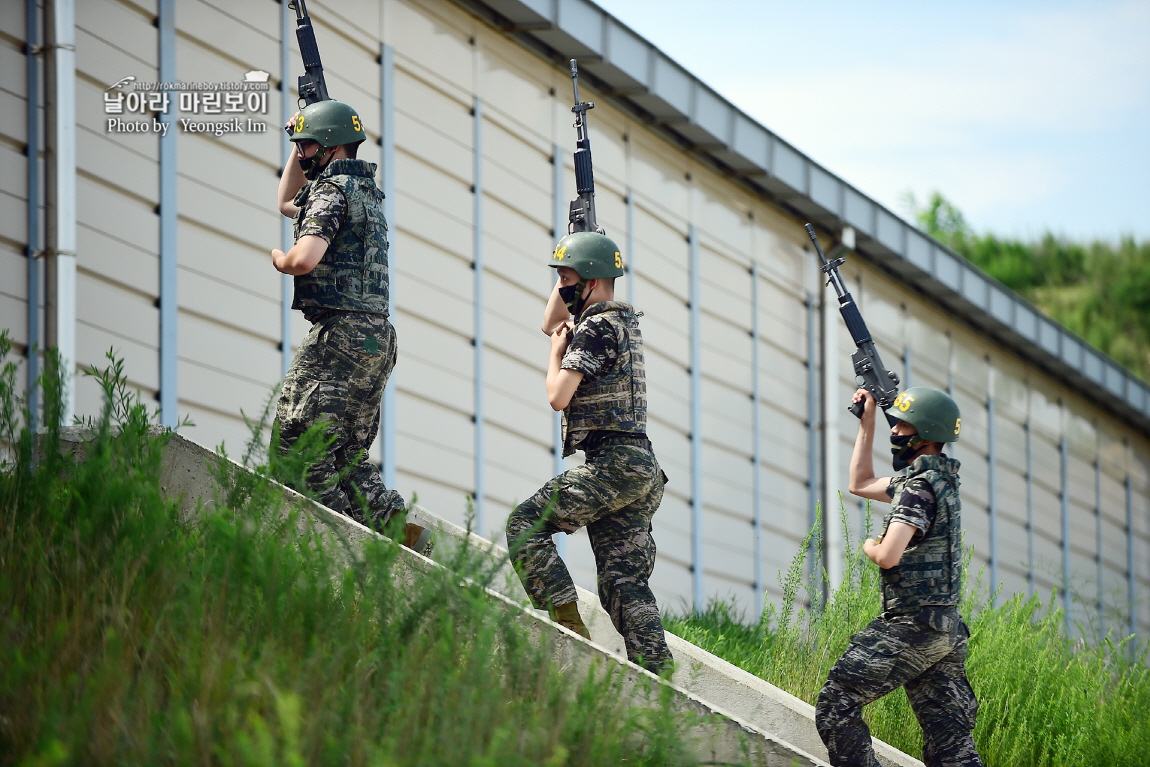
{"x": 869, "y": 370}
{"x": 312, "y": 86}
{"x": 581, "y": 217}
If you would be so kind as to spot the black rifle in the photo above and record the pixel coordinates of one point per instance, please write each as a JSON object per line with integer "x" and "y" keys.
{"x": 869, "y": 370}
{"x": 312, "y": 86}
{"x": 582, "y": 214}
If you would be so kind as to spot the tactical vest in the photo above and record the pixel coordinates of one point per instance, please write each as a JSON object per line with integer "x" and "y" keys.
{"x": 930, "y": 572}
{"x": 352, "y": 275}
{"x": 616, "y": 400}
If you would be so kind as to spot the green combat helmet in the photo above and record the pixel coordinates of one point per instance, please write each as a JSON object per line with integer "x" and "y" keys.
{"x": 593, "y": 256}
{"x": 330, "y": 124}
{"x": 931, "y": 412}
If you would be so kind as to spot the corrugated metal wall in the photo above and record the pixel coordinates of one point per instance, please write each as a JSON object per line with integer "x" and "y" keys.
{"x": 1052, "y": 450}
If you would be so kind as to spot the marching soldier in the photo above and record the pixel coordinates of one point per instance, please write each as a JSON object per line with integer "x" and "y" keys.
{"x": 339, "y": 261}
{"x": 919, "y": 641}
{"x": 596, "y": 377}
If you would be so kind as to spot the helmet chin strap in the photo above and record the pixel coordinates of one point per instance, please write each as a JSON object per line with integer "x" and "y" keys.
{"x": 572, "y": 296}
{"x": 905, "y": 449}
{"x": 314, "y": 165}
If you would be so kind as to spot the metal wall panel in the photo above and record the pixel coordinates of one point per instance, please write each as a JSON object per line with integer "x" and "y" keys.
{"x": 650, "y": 193}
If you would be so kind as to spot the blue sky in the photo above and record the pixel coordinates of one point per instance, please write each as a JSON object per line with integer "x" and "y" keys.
{"x": 1029, "y": 116}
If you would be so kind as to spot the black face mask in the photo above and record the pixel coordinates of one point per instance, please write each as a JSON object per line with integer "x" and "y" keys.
{"x": 311, "y": 166}
{"x": 572, "y": 297}
{"x": 903, "y": 449}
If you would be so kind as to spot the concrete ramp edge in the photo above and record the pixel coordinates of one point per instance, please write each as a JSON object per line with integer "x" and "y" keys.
{"x": 748, "y": 719}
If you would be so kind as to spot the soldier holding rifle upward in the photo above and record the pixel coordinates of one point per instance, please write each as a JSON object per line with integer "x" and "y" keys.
{"x": 339, "y": 262}
{"x": 595, "y": 375}
{"x": 919, "y": 641}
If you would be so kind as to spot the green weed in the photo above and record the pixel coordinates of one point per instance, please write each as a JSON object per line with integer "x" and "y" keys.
{"x": 242, "y": 636}
{"x": 1044, "y": 701}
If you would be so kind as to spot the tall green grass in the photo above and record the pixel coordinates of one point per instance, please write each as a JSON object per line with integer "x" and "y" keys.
{"x": 1044, "y": 701}
{"x": 129, "y": 635}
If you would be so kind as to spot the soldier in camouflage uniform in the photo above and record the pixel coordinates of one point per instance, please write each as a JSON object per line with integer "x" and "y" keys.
{"x": 919, "y": 641}
{"x": 596, "y": 377}
{"x": 339, "y": 261}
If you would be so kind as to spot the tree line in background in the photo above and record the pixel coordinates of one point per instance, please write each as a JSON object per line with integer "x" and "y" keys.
{"x": 1098, "y": 290}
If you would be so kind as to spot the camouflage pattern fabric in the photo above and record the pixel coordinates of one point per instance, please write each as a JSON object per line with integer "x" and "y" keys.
{"x": 607, "y": 348}
{"x": 337, "y": 377}
{"x": 930, "y": 570}
{"x": 614, "y": 495}
{"x": 926, "y": 654}
{"x": 345, "y": 207}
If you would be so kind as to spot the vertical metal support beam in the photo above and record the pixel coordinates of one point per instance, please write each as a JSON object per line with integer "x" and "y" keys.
{"x": 169, "y": 255}
{"x": 62, "y": 316}
{"x": 1131, "y": 603}
{"x": 812, "y": 421}
{"x": 287, "y": 109}
{"x": 629, "y": 259}
{"x": 992, "y": 486}
{"x": 477, "y": 265}
{"x": 1098, "y": 527}
{"x": 35, "y": 194}
{"x": 1029, "y": 506}
{"x": 558, "y": 230}
{"x": 697, "y": 585}
{"x": 951, "y": 363}
{"x": 907, "y": 358}
{"x": 832, "y": 408}
{"x": 756, "y": 443}
{"x": 1064, "y": 502}
{"x": 387, "y": 448}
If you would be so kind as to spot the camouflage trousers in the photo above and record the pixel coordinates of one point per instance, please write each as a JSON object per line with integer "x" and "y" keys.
{"x": 614, "y": 495}
{"x": 903, "y": 651}
{"x": 337, "y": 377}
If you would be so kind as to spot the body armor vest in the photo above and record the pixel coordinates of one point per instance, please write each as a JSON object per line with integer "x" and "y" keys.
{"x": 929, "y": 572}
{"x": 616, "y": 400}
{"x": 352, "y": 275}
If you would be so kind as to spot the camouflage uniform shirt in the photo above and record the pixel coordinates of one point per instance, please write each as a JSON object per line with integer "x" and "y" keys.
{"x": 915, "y": 506}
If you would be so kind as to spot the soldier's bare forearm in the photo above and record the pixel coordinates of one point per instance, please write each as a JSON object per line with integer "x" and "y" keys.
{"x": 862, "y": 480}
{"x": 291, "y": 181}
{"x": 556, "y": 312}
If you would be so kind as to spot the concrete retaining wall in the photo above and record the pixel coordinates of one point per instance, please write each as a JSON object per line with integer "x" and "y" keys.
{"x": 747, "y": 718}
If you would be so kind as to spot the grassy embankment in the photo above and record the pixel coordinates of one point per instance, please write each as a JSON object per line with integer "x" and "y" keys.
{"x": 130, "y": 636}
{"x": 1044, "y": 701}
{"x": 1099, "y": 290}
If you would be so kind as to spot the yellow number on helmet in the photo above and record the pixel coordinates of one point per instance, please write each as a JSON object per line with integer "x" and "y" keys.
{"x": 355, "y": 123}
{"x": 618, "y": 260}
{"x": 957, "y": 426}
{"x": 560, "y": 252}
{"x": 299, "y": 124}
{"x": 903, "y": 402}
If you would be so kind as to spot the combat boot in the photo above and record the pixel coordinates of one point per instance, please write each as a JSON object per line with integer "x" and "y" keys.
{"x": 418, "y": 539}
{"x": 567, "y": 616}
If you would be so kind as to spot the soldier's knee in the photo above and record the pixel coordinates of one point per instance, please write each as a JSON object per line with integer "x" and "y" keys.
{"x": 520, "y": 521}
{"x": 834, "y": 702}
